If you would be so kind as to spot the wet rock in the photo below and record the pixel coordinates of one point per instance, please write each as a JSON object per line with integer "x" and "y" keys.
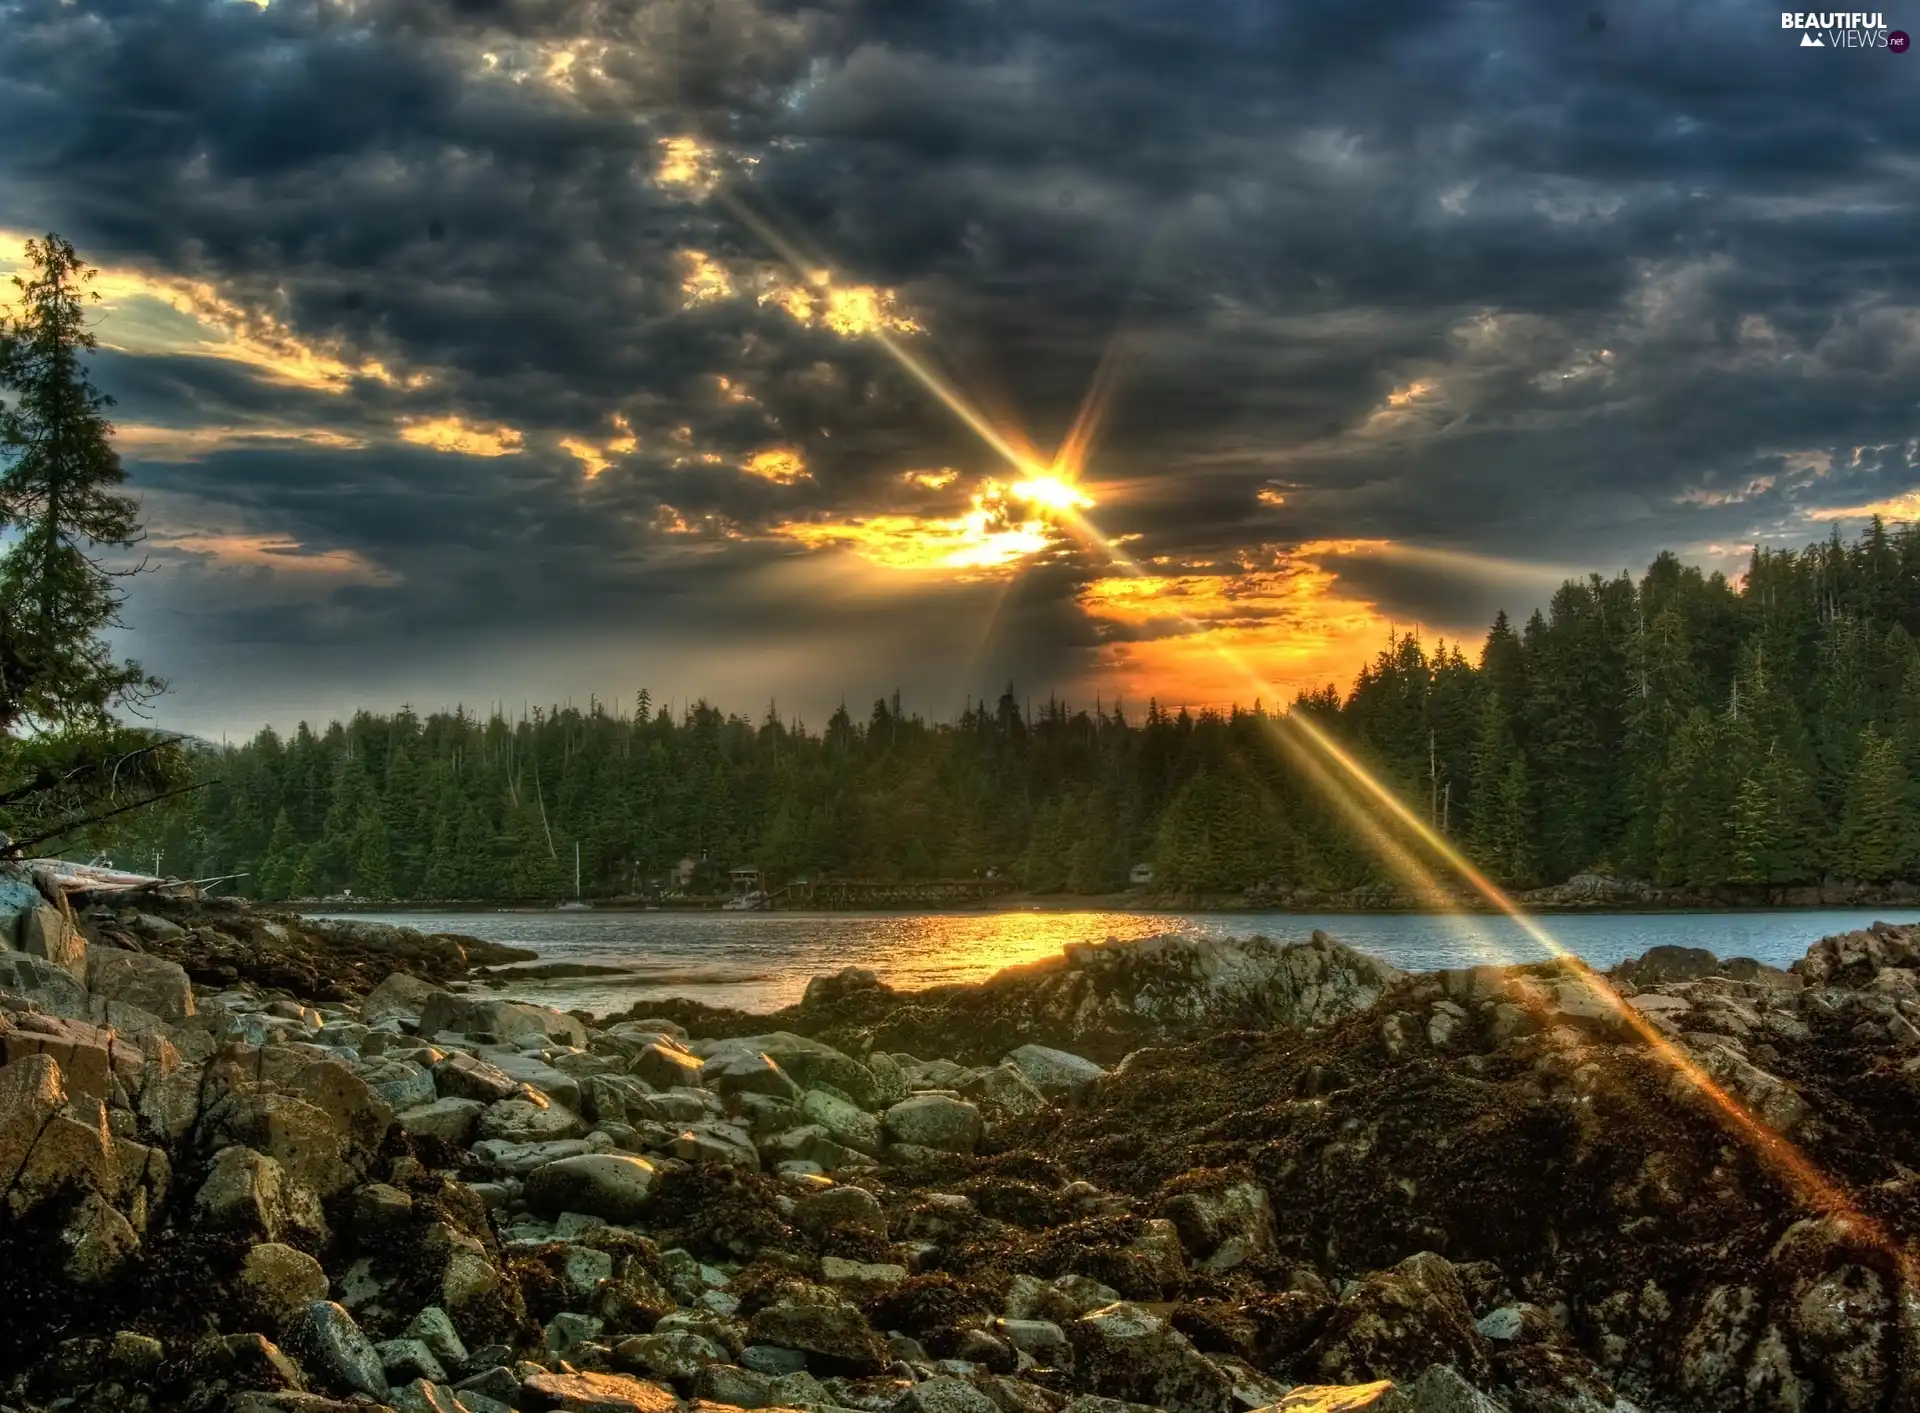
{"x": 595, "y": 1393}
{"x": 400, "y": 1083}
{"x": 935, "y": 1121}
{"x": 425, "y": 1396}
{"x": 46, "y": 934}
{"x": 329, "y": 1342}
{"x": 434, "y": 1328}
{"x": 614, "y": 1186}
{"x": 528, "y": 1121}
{"x": 1225, "y": 1227}
{"x": 1054, "y": 1072}
{"x": 735, "y": 1072}
{"x": 731, "y": 1385}
{"x": 672, "y": 1356}
{"x": 1126, "y": 1352}
{"x": 666, "y": 1067}
{"x": 504, "y": 1020}
{"x": 399, "y": 995}
{"x": 409, "y": 1359}
{"x": 450, "y": 1120}
{"x": 820, "y": 1322}
{"x": 836, "y": 1206}
{"x": 302, "y": 1138}
{"x": 464, "y": 1076}
{"x": 845, "y": 1122}
{"x": 151, "y": 983}
{"x": 1396, "y": 1323}
{"x": 944, "y": 1395}
{"x": 279, "y": 1282}
{"x": 808, "y": 1062}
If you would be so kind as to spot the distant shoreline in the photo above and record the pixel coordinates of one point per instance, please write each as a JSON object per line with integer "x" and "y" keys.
{"x": 1108, "y": 903}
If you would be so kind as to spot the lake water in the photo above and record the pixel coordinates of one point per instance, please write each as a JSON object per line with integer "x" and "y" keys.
{"x": 762, "y": 961}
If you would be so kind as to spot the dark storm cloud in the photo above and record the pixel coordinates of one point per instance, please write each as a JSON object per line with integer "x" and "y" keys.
{"x": 1485, "y": 277}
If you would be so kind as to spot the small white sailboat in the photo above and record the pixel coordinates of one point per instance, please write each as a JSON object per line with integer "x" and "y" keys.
{"x": 575, "y": 904}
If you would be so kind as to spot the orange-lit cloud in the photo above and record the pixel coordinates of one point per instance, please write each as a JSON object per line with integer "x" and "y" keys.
{"x": 139, "y": 439}
{"x": 1905, "y": 506}
{"x": 277, "y": 554}
{"x": 456, "y": 434}
{"x": 689, "y": 165}
{"x": 169, "y": 315}
{"x": 704, "y": 279}
{"x": 848, "y": 310}
{"x": 931, "y": 480}
{"x": 992, "y": 534}
{"x": 782, "y": 465}
{"x": 596, "y": 459}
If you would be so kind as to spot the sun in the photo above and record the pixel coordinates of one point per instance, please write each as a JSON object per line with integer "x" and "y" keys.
{"x": 1052, "y": 493}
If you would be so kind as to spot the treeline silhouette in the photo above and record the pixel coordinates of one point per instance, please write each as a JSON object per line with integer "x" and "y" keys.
{"x": 1682, "y": 728}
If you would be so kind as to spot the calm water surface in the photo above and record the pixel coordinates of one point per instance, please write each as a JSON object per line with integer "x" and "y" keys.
{"x": 762, "y": 961}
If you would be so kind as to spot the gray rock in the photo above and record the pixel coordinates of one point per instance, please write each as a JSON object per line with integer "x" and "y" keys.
{"x": 401, "y": 1083}
{"x": 279, "y": 1281}
{"x": 807, "y": 1062}
{"x": 46, "y": 934}
{"x": 1131, "y": 1354}
{"x": 772, "y": 1359}
{"x": 1054, "y": 1072}
{"x": 1226, "y": 1228}
{"x": 327, "y": 1339}
{"x": 666, "y": 1067}
{"x": 399, "y": 995}
{"x": 433, "y": 1328}
{"x": 820, "y": 1321}
{"x": 526, "y": 1121}
{"x": 249, "y": 1192}
{"x": 464, "y": 1076}
{"x": 556, "y": 1084}
{"x": 944, "y": 1395}
{"x": 934, "y": 1121}
{"x": 52, "y": 988}
{"x": 568, "y": 1329}
{"x": 425, "y": 1396}
{"x": 839, "y": 1205}
{"x": 674, "y": 1355}
{"x": 406, "y": 1359}
{"x": 1043, "y": 1339}
{"x": 136, "y": 979}
{"x": 609, "y": 1185}
{"x": 452, "y": 1120}
{"x": 847, "y": 1123}
{"x": 505, "y": 1020}
{"x": 583, "y": 1268}
{"x": 1442, "y": 1390}
{"x": 743, "y": 1072}
{"x": 733, "y": 1386}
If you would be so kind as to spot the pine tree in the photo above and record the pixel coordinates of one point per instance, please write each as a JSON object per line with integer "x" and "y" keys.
{"x": 60, "y": 491}
{"x": 1874, "y": 834}
{"x": 274, "y": 875}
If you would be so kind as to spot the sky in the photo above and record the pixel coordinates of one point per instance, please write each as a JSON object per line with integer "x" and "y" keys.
{"x": 523, "y": 351}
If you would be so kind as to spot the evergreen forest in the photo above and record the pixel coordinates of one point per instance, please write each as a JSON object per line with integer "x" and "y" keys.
{"x": 1680, "y": 728}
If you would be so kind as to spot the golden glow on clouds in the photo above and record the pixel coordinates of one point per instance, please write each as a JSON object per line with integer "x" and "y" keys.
{"x": 278, "y": 554}
{"x": 1267, "y": 495}
{"x": 1905, "y": 506}
{"x": 688, "y": 164}
{"x": 138, "y": 439}
{"x": 990, "y": 534}
{"x": 782, "y": 465}
{"x": 595, "y": 459}
{"x": 931, "y": 480}
{"x": 850, "y": 311}
{"x": 163, "y": 315}
{"x": 1051, "y": 493}
{"x": 706, "y": 280}
{"x": 456, "y": 434}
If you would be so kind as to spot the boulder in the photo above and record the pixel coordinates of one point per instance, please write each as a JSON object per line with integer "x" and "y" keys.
{"x": 53, "y": 989}
{"x": 450, "y": 1120}
{"x": 847, "y": 1123}
{"x": 1125, "y": 1352}
{"x": 504, "y": 1020}
{"x": 807, "y": 1062}
{"x": 99, "y": 1240}
{"x": 84, "y": 1052}
{"x": 248, "y": 1192}
{"x": 1225, "y": 1227}
{"x": 1054, "y": 1072}
{"x": 46, "y": 933}
{"x": 742, "y": 1072}
{"x": 944, "y": 1394}
{"x": 818, "y": 1321}
{"x": 614, "y": 1186}
{"x": 935, "y": 1121}
{"x": 400, "y": 1084}
{"x": 666, "y": 1067}
{"x": 151, "y": 983}
{"x": 279, "y": 1282}
{"x": 399, "y": 995}
{"x": 301, "y": 1137}
{"x": 529, "y": 1121}
{"x": 464, "y": 1076}
{"x": 1397, "y": 1323}
{"x": 329, "y": 1342}
{"x": 433, "y": 1328}
{"x": 595, "y": 1393}
{"x": 840, "y": 1206}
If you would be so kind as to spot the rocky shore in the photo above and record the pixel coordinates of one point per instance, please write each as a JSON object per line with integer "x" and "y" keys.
{"x": 258, "y": 1164}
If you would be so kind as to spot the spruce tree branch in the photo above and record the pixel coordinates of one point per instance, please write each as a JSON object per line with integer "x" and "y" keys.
{"x": 15, "y": 848}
